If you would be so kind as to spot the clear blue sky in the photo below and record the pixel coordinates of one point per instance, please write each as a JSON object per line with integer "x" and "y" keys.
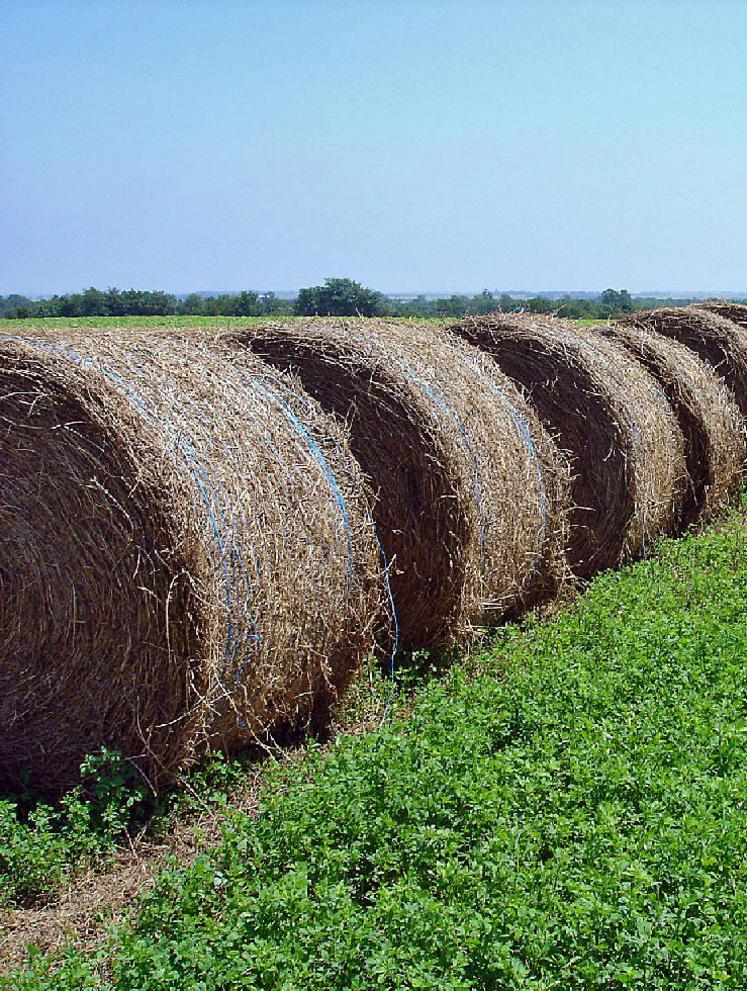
{"x": 411, "y": 145}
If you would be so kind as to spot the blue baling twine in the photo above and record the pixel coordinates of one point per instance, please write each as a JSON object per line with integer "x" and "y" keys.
{"x": 321, "y": 461}
{"x": 522, "y": 426}
{"x": 195, "y": 414}
{"x": 461, "y": 430}
{"x": 345, "y": 515}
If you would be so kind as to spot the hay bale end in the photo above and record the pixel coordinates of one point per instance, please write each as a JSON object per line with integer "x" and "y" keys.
{"x": 187, "y": 556}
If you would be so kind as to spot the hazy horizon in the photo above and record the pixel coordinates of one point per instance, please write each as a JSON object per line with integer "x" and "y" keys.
{"x": 636, "y": 293}
{"x": 175, "y": 145}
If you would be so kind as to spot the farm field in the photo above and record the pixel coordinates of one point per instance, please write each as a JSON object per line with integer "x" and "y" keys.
{"x": 373, "y": 497}
{"x": 93, "y": 323}
{"x": 564, "y": 809}
{"x": 221, "y": 323}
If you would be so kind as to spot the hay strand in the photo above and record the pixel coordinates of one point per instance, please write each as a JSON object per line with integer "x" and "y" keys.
{"x": 736, "y": 312}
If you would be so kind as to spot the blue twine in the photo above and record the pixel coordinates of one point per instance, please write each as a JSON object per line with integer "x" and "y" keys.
{"x": 461, "y": 430}
{"x": 321, "y": 461}
{"x": 521, "y": 425}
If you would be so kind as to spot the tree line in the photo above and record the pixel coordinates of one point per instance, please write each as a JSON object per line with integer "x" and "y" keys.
{"x": 139, "y": 303}
{"x": 336, "y": 297}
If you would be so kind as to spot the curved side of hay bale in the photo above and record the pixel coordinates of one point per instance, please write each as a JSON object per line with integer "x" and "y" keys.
{"x": 471, "y": 492}
{"x": 718, "y": 342}
{"x": 736, "y": 312}
{"x": 605, "y": 410}
{"x": 187, "y": 557}
{"x": 708, "y": 417}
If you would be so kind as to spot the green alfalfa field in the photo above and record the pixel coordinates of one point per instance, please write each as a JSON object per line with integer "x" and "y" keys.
{"x": 566, "y": 808}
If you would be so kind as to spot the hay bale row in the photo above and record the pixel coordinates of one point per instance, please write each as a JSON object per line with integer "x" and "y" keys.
{"x": 187, "y": 557}
{"x": 470, "y": 492}
{"x": 706, "y": 412}
{"x": 718, "y": 341}
{"x": 605, "y": 410}
{"x": 199, "y": 540}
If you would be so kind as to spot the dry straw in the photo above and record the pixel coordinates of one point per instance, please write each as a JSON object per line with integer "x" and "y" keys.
{"x": 708, "y": 417}
{"x": 719, "y": 342}
{"x": 736, "y": 312}
{"x": 471, "y": 492}
{"x": 187, "y": 557}
{"x": 612, "y": 418}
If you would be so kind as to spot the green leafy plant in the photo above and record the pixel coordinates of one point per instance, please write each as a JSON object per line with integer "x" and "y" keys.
{"x": 41, "y": 844}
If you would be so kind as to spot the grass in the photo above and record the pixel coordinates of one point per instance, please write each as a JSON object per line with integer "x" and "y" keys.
{"x": 565, "y": 811}
{"x": 46, "y": 848}
{"x": 41, "y": 846}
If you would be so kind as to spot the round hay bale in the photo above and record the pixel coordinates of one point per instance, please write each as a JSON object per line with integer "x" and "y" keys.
{"x": 736, "y": 312}
{"x": 187, "y": 557}
{"x": 719, "y": 342}
{"x": 470, "y": 490}
{"x": 708, "y": 417}
{"x": 627, "y": 452}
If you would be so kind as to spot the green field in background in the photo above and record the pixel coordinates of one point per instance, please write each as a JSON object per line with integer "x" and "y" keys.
{"x": 166, "y": 322}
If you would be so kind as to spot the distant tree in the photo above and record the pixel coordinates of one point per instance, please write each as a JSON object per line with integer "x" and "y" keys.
{"x": 271, "y": 305}
{"x": 243, "y": 304}
{"x": 484, "y": 303}
{"x": 94, "y": 303}
{"x": 540, "y": 304}
{"x": 507, "y": 303}
{"x": 22, "y": 311}
{"x": 16, "y": 305}
{"x": 617, "y": 301}
{"x": 340, "y": 298}
{"x": 69, "y": 305}
{"x": 576, "y": 309}
{"x": 247, "y": 304}
{"x": 192, "y": 304}
{"x": 337, "y": 297}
